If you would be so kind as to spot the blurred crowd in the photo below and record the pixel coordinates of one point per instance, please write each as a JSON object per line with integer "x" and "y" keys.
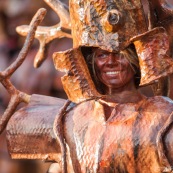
{"x": 44, "y": 80}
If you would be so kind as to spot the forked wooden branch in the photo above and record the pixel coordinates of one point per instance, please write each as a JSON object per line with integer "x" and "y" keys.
{"x": 46, "y": 34}
{"x": 17, "y": 96}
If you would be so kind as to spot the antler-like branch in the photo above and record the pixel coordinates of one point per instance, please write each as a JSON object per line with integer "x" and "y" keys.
{"x": 62, "y": 11}
{"x": 46, "y": 34}
{"x": 17, "y": 96}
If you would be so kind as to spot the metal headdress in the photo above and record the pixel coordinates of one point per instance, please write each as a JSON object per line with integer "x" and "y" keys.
{"x": 113, "y": 25}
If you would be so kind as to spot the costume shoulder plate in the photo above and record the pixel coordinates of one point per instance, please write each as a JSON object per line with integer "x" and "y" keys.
{"x": 32, "y": 126}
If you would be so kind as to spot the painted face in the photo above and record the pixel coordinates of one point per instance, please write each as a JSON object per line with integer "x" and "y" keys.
{"x": 112, "y": 69}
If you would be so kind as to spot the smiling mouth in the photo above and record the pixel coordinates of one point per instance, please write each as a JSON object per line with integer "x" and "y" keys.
{"x": 113, "y": 72}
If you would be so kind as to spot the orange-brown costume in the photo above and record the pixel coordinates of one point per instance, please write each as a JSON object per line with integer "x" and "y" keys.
{"x": 137, "y": 136}
{"x": 129, "y": 141}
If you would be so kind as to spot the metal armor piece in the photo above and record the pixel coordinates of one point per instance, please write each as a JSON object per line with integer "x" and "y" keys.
{"x": 153, "y": 59}
{"x": 39, "y": 134}
{"x": 130, "y": 140}
{"x": 106, "y": 24}
{"x": 77, "y": 82}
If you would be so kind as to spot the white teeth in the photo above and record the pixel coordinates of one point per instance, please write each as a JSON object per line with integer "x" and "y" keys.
{"x": 112, "y": 72}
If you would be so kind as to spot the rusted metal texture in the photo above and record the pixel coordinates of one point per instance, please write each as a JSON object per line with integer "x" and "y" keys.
{"x": 152, "y": 50}
{"x": 77, "y": 82}
{"x": 105, "y": 23}
{"x": 123, "y": 142}
{"x": 131, "y": 140}
{"x": 163, "y": 11}
{"x": 30, "y": 131}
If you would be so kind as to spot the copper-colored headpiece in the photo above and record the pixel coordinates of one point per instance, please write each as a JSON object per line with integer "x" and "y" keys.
{"x": 152, "y": 50}
{"x": 112, "y": 26}
{"x": 105, "y": 23}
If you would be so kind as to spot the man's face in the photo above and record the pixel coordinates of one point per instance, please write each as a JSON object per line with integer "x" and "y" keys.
{"x": 113, "y": 70}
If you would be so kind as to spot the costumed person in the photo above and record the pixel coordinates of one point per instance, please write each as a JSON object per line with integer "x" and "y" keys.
{"x": 107, "y": 125}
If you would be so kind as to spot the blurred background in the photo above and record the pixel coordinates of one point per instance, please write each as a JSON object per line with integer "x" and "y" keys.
{"x": 44, "y": 80}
